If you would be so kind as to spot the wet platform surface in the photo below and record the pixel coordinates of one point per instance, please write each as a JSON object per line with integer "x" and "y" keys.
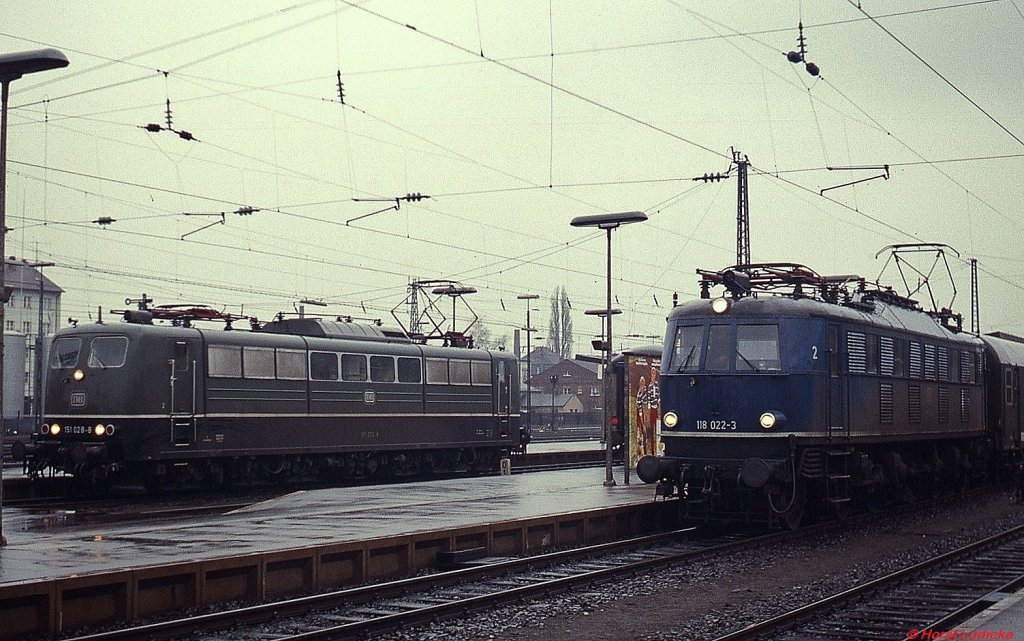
{"x": 304, "y": 519}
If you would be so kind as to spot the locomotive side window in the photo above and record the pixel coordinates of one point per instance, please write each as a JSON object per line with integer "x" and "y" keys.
{"x": 757, "y": 347}
{"x": 291, "y": 364}
{"x": 1010, "y": 387}
{"x": 108, "y": 351}
{"x": 181, "y": 358}
{"x": 719, "y": 348}
{"x": 482, "y": 373}
{"x": 353, "y": 367}
{"x": 409, "y": 370}
{"x": 64, "y": 353}
{"x": 899, "y": 356}
{"x": 458, "y": 372}
{"x": 689, "y": 343}
{"x": 871, "y": 354}
{"x": 382, "y": 369}
{"x": 437, "y": 371}
{"x": 258, "y": 362}
{"x": 224, "y": 361}
{"x": 323, "y": 366}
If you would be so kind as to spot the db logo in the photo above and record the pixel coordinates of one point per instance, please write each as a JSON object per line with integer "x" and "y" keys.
{"x": 369, "y": 397}
{"x": 77, "y": 399}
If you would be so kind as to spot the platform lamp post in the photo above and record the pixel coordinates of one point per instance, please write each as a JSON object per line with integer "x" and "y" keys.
{"x": 608, "y": 222}
{"x": 606, "y": 363}
{"x": 12, "y": 67}
{"x": 529, "y": 330}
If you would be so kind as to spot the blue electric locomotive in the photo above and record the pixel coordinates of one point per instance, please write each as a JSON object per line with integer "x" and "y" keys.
{"x": 797, "y": 391}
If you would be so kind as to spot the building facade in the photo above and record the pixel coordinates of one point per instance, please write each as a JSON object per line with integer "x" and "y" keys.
{"x": 32, "y": 311}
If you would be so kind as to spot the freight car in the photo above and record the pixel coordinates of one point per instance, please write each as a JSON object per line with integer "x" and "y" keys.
{"x": 298, "y": 398}
{"x": 794, "y": 392}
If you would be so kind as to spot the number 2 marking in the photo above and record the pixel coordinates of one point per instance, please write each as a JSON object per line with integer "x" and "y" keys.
{"x": 814, "y": 352}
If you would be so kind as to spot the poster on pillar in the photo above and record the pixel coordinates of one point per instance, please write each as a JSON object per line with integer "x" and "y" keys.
{"x": 644, "y": 401}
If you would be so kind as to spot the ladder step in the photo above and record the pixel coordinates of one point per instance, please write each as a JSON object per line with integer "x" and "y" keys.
{"x": 837, "y": 500}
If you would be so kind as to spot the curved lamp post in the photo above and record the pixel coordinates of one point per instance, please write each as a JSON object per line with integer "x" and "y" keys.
{"x": 12, "y": 67}
{"x": 608, "y": 222}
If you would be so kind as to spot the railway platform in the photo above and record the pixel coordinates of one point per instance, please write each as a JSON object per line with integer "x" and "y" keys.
{"x": 1004, "y": 619}
{"x": 55, "y": 581}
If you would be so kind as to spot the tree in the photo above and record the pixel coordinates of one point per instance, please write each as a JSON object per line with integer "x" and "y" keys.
{"x": 483, "y": 338}
{"x": 560, "y": 334}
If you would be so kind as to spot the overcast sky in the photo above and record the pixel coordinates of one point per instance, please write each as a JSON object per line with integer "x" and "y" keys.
{"x": 514, "y": 117}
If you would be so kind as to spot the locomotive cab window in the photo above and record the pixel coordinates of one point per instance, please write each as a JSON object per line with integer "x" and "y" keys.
{"x": 719, "y": 348}
{"x": 686, "y": 349}
{"x": 757, "y": 348}
{"x": 1009, "y": 385}
{"x": 108, "y": 351}
{"x": 64, "y": 353}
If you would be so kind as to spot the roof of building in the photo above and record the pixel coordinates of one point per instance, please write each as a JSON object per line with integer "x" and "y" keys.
{"x": 21, "y": 276}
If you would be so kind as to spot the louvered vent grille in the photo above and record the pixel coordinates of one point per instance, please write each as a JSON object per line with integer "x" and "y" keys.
{"x": 915, "y": 360}
{"x": 885, "y": 409}
{"x": 856, "y": 347}
{"x": 914, "y": 403}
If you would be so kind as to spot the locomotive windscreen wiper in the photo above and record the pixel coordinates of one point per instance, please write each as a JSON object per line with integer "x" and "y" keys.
{"x": 686, "y": 361}
{"x": 749, "y": 364}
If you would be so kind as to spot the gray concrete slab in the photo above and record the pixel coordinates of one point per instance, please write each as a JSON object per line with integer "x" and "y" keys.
{"x": 1003, "y": 620}
{"x": 305, "y": 518}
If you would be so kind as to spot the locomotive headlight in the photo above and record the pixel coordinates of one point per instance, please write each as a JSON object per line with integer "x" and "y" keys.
{"x": 99, "y": 430}
{"x": 78, "y": 375}
{"x": 54, "y": 429}
{"x": 771, "y": 420}
{"x": 670, "y": 419}
{"x": 721, "y": 305}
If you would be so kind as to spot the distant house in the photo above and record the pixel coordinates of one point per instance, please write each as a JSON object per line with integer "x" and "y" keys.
{"x": 572, "y": 386}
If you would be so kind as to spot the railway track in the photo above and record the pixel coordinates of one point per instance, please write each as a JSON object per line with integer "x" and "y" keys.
{"x": 918, "y": 602}
{"x": 482, "y": 584}
{"x": 54, "y": 491}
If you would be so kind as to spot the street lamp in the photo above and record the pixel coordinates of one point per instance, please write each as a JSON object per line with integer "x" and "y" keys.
{"x": 606, "y": 360}
{"x": 529, "y": 330}
{"x": 608, "y": 222}
{"x": 554, "y": 382}
{"x": 12, "y": 67}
